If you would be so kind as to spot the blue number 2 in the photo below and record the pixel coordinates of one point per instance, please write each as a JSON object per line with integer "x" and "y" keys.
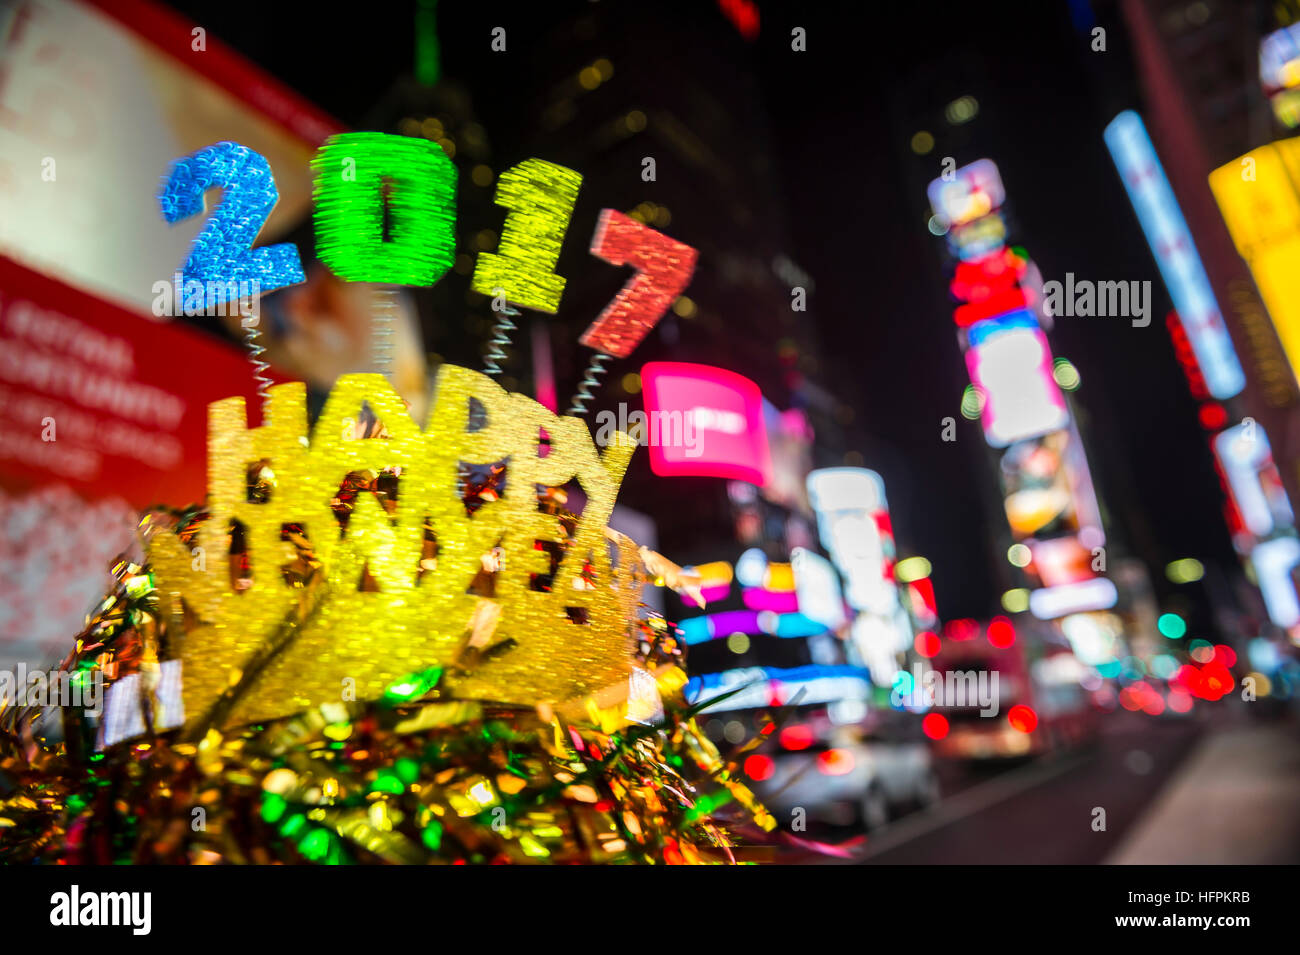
{"x": 222, "y": 252}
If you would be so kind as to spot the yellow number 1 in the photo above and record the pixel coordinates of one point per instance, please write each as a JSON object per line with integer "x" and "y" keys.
{"x": 540, "y": 196}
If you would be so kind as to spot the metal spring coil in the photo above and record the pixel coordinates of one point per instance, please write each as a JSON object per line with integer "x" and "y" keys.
{"x": 251, "y": 334}
{"x": 383, "y": 320}
{"x": 500, "y": 338}
{"x": 590, "y": 381}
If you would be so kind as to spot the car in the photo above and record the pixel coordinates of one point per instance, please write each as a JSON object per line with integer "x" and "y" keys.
{"x": 865, "y": 773}
{"x": 1041, "y": 705}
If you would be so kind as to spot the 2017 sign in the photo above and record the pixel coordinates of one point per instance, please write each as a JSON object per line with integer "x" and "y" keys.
{"x": 361, "y": 177}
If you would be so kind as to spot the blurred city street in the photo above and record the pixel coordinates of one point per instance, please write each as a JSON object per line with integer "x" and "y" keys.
{"x": 1184, "y": 792}
{"x": 597, "y": 432}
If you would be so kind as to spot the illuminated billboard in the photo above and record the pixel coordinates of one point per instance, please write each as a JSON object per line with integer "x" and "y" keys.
{"x": 1244, "y": 455}
{"x": 758, "y": 687}
{"x": 1037, "y": 498}
{"x": 1050, "y": 504}
{"x": 1275, "y": 562}
{"x": 818, "y": 588}
{"x": 790, "y": 440}
{"x": 1010, "y": 363}
{"x": 1259, "y": 202}
{"x": 705, "y": 421}
{"x": 113, "y": 93}
{"x": 1063, "y": 560}
{"x": 1175, "y": 253}
{"x": 968, "y": 193}
{"x": 853, "y": 521}
{"x": 105, "y": 90}
{"x": 1279, "y": 73}
{"x": 1048, "y": 488}
{"x": 1051, "y": 603}
{"x": 1279, "y": 58}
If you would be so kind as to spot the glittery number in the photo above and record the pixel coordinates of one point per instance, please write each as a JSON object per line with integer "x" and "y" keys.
{"x": 353, "y": 171}
{"x": 222, "y": 252}
{"x": 664, "y": 267}
{"x": 540, "y": 196}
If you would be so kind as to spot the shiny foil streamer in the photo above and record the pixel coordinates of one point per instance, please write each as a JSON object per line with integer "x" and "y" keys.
{"x": 222, "y": 256}
{"x": 358, "y": 177}
{"x": 411, "y": 782}
{"x": 378, "y": 615}
{"x": 621, "y": 775}
{"x": 540, "y": 196}
{"x": 664, "y": 268}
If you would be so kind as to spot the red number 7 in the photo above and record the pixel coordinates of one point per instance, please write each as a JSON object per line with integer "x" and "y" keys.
{"x": 664, "y": 267}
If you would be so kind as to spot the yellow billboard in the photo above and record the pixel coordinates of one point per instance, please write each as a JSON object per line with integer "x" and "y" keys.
{"x": 1259, "y": 197}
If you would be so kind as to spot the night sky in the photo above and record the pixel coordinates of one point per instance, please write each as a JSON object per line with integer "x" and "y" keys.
{"x": 859, "y": 225}
{"x": 842, "y": 114}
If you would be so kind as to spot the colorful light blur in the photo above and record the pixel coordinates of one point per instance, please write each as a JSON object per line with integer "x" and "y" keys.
{"x": 1016, "y": 600}
{"x": 1279, "y": 73}
{"x": 1094, "y": 637}
{"x": 1016, "y": 389}
{"x": 911, "y": 568}
{"x": 757, "y": 687}
{"x": 1244, "y": 454}
{"x": 1172, "y": 626}
{"x": 1022, "y": 718}
{"x": 1010, "y": 362}
{"x": 855, "y": 528}
{"x": 756, "y": 598}
{"x": 972, "y": 192}
{"x": 1175, "y": 253}
{"x": 853, "y": 522}
{"x": 1262, "y": 212}
{"x": 924, "y": 609}
{"x": 961, "y": 629}
{"x": 719, "y": 626}
{"x": 713, "y": 419}
{"x": 796, "y": 737}
{"x": 835, "y": 762}
{"x": 817, "y": 587}
{"x": 1273, "y": 562}
{"x": 934, "y": 725}
{"x": 1049, "y": 603}
{"x": 751, "y": 568}
{"x": 1001, "y": 633}
{"x": 1185, "y": 571}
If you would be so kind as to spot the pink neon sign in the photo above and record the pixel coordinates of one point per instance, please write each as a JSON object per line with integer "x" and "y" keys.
{"x": 704, "y": 421}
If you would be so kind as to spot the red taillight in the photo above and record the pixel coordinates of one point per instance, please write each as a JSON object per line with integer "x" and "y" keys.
{"x": 796, "y": 737}
{"x": 1225, "y": 654}
{"x": 1218, "y": 681}
{"x": 1022, "y": 718}
{"x": 935, "y": 725}
{"x": 927, "y": 644}
{"x": 835, "y": 762}
{"x": 1001, "y": 632}
{"x": 964, "y": 629}
{"x": 1213, "y": 416}
{"x": 759, "y": 767}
